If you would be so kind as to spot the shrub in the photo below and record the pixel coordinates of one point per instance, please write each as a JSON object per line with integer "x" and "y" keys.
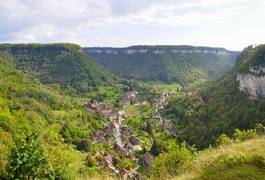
{"x": 244, "y": 134}
{"x": 83, "y": 145}
{"x": 28, "y": 160}
{"x": 126, "y": 163}
{"x": 173, "y": 161}
{"x": 223, "y": 139}
{"x": 260, "y": 129}
{"x": 90, "y": 161}
{"x": 156, "y": 148}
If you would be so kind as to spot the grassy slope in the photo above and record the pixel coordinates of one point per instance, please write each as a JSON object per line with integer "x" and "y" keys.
{"x": 245, "y": 160}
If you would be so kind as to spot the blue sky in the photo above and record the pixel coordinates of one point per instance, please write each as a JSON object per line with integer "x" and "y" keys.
{"x": 233, "y": 24}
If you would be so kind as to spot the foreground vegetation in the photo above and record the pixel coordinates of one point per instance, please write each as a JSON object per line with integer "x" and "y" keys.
{"x": 238, "y": 157}
{"x": 235, "y": 160}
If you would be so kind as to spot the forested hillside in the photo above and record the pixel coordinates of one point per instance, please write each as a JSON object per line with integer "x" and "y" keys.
{"x": 64, "y": 64}
{"x": 234, "y": 101}
{"x": 181, "y": 64}
{"x": 26, "y": 107}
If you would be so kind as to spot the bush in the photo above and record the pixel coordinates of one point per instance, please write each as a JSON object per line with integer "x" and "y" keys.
{"x": 156, "y": 148}
{"x": 126, "y": 163}
{"x": 28, "y": 160}
{"x": 90, "y": 161}
{"x": 83, "y": 145}
{"x": 260, "y": 129}
{"x": 244, "y": 134}
{"x": 223, "y": 139}
{"x": 173, "y": 161}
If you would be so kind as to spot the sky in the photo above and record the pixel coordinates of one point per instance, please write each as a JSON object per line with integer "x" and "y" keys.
{"x": 232, "y": 24}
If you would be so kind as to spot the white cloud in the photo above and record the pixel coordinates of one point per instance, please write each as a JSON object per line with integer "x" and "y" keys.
{"x": 126, "y": 22}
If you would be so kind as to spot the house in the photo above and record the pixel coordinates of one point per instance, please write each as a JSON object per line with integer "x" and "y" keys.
{"x": 129, "y": 97}
{"x": 105, "y": 110}
{"x": 155, "y": 115}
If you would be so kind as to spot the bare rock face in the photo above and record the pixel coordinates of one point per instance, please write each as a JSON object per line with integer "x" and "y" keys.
{"x": 253, "y": 83}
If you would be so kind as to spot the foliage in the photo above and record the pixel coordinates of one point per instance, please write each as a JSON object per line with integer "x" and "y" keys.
{"x": 172, "y": 160}
{"x": 126, "y": 163}
{"x": 26, "y": 104}
{"x": 244, "y": 134}
{"x": 90, "y": 161}
{"x": 243, "y": 160}
{"x": 223, "y": 139}
{"x": 28, "y": 160}
{"x": 216, "y": 107}
{"x": 240, "y": 135}
{"x": 168, "y": 66}
{"x": 65, "y": 64}
{"x": 45, "y": 87}
{"x": 260, "y": 129}
{"x": 83, "y": 145}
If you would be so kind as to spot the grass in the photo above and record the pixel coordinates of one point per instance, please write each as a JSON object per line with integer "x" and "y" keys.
{"x": 162, "y": 87}
{"x": 131, "y": 110}
{"x": 245, "y": 160}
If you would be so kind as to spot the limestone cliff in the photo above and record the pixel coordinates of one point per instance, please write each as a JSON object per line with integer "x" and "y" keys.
{"x": 252, "y": 84}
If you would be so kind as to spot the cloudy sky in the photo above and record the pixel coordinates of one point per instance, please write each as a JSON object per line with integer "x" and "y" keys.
{"x": 233, "y": 24}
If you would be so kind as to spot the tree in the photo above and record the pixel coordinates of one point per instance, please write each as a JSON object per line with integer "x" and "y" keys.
{"x": 28, "y": 160}
{"x": 173, "y": 159}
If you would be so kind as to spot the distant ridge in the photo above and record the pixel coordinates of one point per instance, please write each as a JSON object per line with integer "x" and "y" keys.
{"x": 183, "y": 64}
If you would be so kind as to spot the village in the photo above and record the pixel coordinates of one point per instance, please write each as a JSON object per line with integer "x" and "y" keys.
{"x": 120, "y": 135}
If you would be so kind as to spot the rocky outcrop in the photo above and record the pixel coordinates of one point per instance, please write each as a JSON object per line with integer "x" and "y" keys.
{"x": 253, "y": 82}
{"x": 257, "y": 69}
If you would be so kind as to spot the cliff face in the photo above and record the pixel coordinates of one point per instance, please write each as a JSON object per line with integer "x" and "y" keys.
{"x": 161, "y": 50}
{"x": 251, "y": 74}
{"x": 251, "y": 84}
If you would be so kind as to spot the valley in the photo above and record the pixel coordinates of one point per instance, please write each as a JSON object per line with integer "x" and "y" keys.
{"x": 132, "y": 90}
{"x": 162, "y": 112}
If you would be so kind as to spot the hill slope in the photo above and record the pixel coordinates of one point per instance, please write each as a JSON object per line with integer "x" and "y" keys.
{"x": 65, "y": 64}
{"x": 234, "y": 101}
{"x": 183, "y": 64}
{"x": 243, "y": 160}
{"x": 27, "y": 105}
